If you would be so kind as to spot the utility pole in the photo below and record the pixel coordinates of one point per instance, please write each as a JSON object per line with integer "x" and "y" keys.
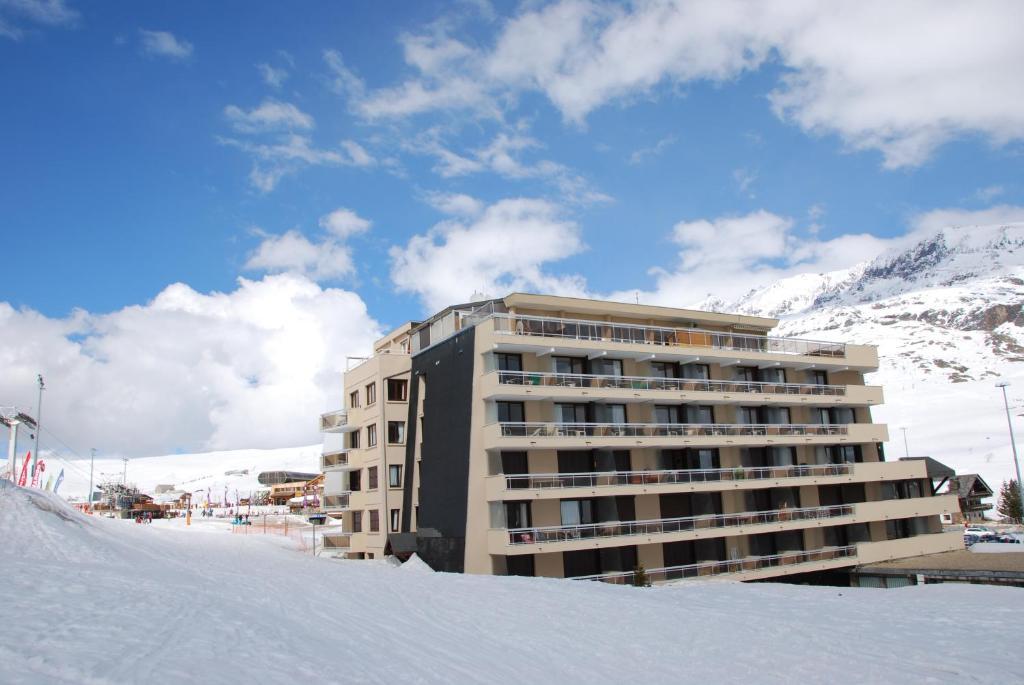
{"x": 906, "y": 449}
{"x": 39, "y": 423}
{"x": 92, "y": 462}
{"x": 1013, "y": 442}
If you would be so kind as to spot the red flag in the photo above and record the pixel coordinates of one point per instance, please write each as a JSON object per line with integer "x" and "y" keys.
{"x": 37, "y": 476}
{"x": 24, "y": 470}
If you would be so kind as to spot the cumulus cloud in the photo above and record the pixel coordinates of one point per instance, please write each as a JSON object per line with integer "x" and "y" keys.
{"x": 503, "y": 249}
{"x": 288, "y": 153}
{"x": 901, "y": 78}
{"x": 190, "y": 371}
{"x": 13, "y": 14}
{"x": 454, "y": 204}
{"x": 326, "y": 260}
{"x": 931, "y": 221}
{"x": 272, "y": 76}
{"x": 164, "y": 44}
{"x": 269, "y": 115}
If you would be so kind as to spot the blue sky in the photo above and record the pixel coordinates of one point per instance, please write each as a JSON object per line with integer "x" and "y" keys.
{"x": 660, "y": 151}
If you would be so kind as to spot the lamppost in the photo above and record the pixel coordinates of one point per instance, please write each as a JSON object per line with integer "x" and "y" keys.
{"x": 1013, "y": 442}
{"x": 906, "y": 447}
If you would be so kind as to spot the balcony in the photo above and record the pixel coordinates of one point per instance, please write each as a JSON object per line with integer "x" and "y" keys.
{"x": 610, "y": 332}
{"x": 544, "y": 486}
{"x": 737, "y": 567}
{"x": 337, "y": 459}
{"x": 336, "y": 541}
{"x": 541, "y": 435}
{"x": 336, "y": 502}
{"x": 686, "y": 524}
{"x": 526, "y": 384}
{"x": 335, "y": 422}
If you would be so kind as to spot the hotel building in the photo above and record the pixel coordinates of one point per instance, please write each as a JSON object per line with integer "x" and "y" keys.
{"x": 552, "y": 436}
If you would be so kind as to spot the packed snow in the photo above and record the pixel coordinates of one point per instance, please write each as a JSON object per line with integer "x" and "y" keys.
{"x": 91, "y": 600}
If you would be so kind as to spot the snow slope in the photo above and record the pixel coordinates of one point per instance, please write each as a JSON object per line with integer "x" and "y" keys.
{"x": 164, "y": 603}
{"x": 946, "y": 314}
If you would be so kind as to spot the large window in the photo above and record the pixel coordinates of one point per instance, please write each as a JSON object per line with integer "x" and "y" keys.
{"x": 517, "y": 514}
{"x": 395, "y": 520}
{"x": 610, "y": 413}
{"x": 571, "y": 413}
{"x": 570, "y": 365}
{"x": 777, "y": 415}
{"x": 506, "y": 361}
{"x": 511, "y": 412}
{"x": 398, "y": 390}
{"x": 818, "y": 377}
{"x": 748, "y": 415}
{"x": 700, "y": 372}
{"x": 371, "y": 478}
{"x": 663, "y": 369}
{"x": 374, "y": 521}
{"x": 747, "y": 374}
{"x": 371, "y": 394}
{"x": 773, "y": 375}
{"x": 394, "y": 476}
{"x": 353, "y": 399}
{"x": 354, "y": 481}
{"x": 353, "y": 440}
{"x": 577, "y": 512}
{"x": 700, "y": 413}
{"x": 606, "y": 367}
{"x": 396, "y": 432}
{"x": 667, "y": 413}
{"x": 357, "y": 522}
{"x": 371, "y": 435}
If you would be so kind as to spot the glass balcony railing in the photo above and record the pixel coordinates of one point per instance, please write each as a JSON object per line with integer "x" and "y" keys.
{"x": 338, "y": 502}
{"x": 613, "y": 529}
{"x": 656, "y": 430}
{"x": 333, "y": 420}
{"x": 336, "y": 540}
{"x": 605, "y": 479}
{"x": 606, "y": 331}
{"x": 718, "y": 568}
{"x": 578, "y": 380}
{"x": 333, "y": 459}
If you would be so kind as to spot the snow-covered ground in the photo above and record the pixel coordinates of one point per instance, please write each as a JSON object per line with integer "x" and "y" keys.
{"x": 89, "y": 600}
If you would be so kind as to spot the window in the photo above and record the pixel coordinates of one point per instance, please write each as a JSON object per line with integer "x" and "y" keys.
{"x": 394, "y": 476}
{"x": 667, "y": 413}
{"x": 663, "y": 369}
{"x": 576, "y": 512}
{"x": 702, "y": 413}
{"x": 606, "y": 367}
{"x": 398, "y": 390}
{"x": 353, "y": 399}
{"x": 394, "y": 520}
{"x": 777, "y": 415}
{"x": 371, "y": 478}
{"x": 353, "y": 440}
{"x": 569, "y": 365}
{"x": 357, "y": 522}
{"x": 354, "y": 481}
{"x": 819, "y": 377}
{"x": 571, "y": 413}
{"x": 371, "y": 394}
{"x": 396, "y": 432}
{"x": 747, "y": 374}
{"x": 511, "y": 412}
{"x": 374, "y": 521}
{"x": 517, "y": 514}
{"x": 371, "y": 435}
{"x": 747, "y": 415}
{"x": 508, "y": 362}
{"x": 701, "y": 372}
{"x": 774, "y": 375}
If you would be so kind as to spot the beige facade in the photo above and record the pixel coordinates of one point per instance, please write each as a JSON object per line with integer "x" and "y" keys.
{"x": 577, "y": 438}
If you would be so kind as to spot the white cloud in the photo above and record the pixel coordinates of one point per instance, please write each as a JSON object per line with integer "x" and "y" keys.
{"x": 901, "y": 78}
{"x": 270, "y": 115}
{"x": 44, "y": 12}
{"x": 504, "y": 249}
{"x": 290, "y": 153}
{"x": 989, "y": 193}
{"x": 189, "y": 371}
{"x": 272, "y": 76}
{"x": 728, "y": 256}
{"x": 655, "y": 150}
{"x": 343, "y": 81}
{"x": 744, "y": 179}
{"x": 164, "y": 44}
{"x": 344, "y": 223}
{"x": 455, "y": 204}
{"x": 931, "y": 221}
{"x": 292, "y": 252}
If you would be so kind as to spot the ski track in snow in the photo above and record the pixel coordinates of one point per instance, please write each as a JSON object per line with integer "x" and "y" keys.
{"x": 90, "y": 600}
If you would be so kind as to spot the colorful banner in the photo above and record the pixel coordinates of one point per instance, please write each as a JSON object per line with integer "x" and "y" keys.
{"x": 49, "y": 482}
{"x": 60, "y": 479}
{"x": 40, "y": 467}
{"x": 24, "y": 470}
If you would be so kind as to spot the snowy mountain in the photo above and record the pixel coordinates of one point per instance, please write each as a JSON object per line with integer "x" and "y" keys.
{"x": 945, "y": 312}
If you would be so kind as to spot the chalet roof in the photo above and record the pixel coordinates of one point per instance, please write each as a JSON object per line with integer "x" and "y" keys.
{"x": 973, "y": 484}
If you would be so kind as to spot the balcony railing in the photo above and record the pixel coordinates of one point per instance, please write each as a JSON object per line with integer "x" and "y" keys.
{"x": 655, "y": 430}
{"x": 718, "y": 568}
{"x": 336, "y": 540}
{"x": 332, "y": 459}
{"x": 603, "y": 479}
{"x": 336, "y": 502}
{"x": 333, "y": 420}
{"x": 578, "y": 380}
{"x": 611, "y": 529}
{"x": 605, "y": 331}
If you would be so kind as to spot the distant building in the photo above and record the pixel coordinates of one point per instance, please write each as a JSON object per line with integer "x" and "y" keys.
{"x": 562, "y": 437}
{"x": 971, "y": 489}
{"x": 278, "y": 477}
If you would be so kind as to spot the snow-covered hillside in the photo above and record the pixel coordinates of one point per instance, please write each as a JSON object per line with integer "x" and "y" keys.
{"x": 946, "y": 315}
{"x": 92, "y": 600}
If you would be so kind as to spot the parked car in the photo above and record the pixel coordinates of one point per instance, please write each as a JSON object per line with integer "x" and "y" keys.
{"x": 970, "y": 539}
{"x": 982, "y": 532}
{"x": 1008, "y": 538}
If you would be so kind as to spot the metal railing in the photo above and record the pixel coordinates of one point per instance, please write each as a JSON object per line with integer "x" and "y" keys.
{"x": 579, "y": 380}
{"x": 718, "y": 568}
{"x": 654, "y": 430}
{"x": 333, "y": 419}
{"x": 331, "y": 459}
{"x": 606, "y": 331}
{"x": 602, "y": 479}
{"x": 336, "y": 502}
{"x": 611, "y": 529}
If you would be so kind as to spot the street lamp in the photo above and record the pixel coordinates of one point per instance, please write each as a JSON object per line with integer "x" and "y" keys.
{"x": 1013, "y": 442}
